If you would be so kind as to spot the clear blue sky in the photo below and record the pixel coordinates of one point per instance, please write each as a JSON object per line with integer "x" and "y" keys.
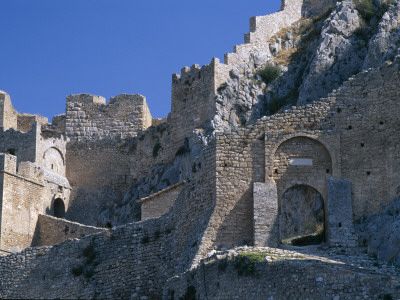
{"x": 53, "y": 48}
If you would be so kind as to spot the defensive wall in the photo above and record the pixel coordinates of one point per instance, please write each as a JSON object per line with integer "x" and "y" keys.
{"x": 8, "y": 115}
{"x": 194, "y": 91}
{"x": 32, "y": 175}
{"x": 26, "y": 193}
{"x": 350, "y": 140}
{"x": 89, "y": 116}
{"x": 338, "y": 144}
{"x": 193, "y": 104}
{"x": 103, "y": 170}
{"x": 133, "y": 260}
{"x": 51, "y": 231}
{"x": 159, "y": 203}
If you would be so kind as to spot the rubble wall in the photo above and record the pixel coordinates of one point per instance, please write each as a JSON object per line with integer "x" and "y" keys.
{"x": 51, "y": 231}
{"x": 287, "y": 278}
{"x": 89, "y": 117}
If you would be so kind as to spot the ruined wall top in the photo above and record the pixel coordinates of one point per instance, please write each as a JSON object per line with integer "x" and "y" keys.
{"x": 90, "y": 117}
{"x": 86, "y": 99}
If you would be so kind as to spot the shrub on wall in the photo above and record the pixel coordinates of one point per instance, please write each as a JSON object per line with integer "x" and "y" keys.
{"x": 269, "y": 74}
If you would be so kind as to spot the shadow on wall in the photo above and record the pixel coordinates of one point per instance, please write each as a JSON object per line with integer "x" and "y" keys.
{"x": 86, "y": 204}
{"x": 237, "y": 227}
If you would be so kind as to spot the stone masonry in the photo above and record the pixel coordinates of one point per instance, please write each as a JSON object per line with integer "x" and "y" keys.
{"x": 210, "y": 235}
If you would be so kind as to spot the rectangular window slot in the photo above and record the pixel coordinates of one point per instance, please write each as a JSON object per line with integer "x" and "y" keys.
{"x": 301, "y": 161}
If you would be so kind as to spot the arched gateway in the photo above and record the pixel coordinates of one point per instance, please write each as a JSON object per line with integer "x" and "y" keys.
{"x": 299, "y": 197}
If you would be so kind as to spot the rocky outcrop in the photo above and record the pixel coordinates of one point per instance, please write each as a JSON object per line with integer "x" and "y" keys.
{"x": 338, "y": 56}
{"x": 316, "y": 56}
{"x": 384, "y": 45}
{"x": 382, "y": 233}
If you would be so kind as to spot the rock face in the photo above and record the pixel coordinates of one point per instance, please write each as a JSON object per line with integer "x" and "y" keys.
{"x": 316, "y": 56}
{"x": 384, "y": 45}
{"x": 382, "y": 233}
{"x": 338, "y": 55}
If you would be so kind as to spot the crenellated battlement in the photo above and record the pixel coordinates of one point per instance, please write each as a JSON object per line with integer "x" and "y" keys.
{"x": 194, "y": 90}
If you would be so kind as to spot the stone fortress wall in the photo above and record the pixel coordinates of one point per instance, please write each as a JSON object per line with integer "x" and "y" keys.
{"x": 194, "y": 91}
{"x": 89, "y": 116}
{"x": 244, "y": 172}
{"x": 349, "y": 136}
{"x": 192, "y": 105}
{"x": 32, "y": 175}
{"x": 27, "y": 192}
{"x": 171, "y": 244}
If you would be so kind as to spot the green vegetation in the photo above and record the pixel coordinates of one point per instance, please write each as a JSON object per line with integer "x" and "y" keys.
{"x": 387, "y": 297}
{"x": 370, "y": 12}
{"x": 78, "y": 270}
{"x": 244, "y": 262}
{"x": 366, "y": 8}
{"x": 87, "y": 267}
{"x": 269, "y": 74}
{"x": 156, "y": 148}
{"x": 222, "y": 87}
{"x": 277, "y": 103}
{"x": 363, "y": 33}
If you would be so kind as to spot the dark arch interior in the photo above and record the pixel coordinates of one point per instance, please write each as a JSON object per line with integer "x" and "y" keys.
{"x": 302, "y": 216}
{"x": 59, "y": 208}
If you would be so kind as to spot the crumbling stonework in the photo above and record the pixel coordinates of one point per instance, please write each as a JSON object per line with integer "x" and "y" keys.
{"x": 240, "y": 187}
{"x": 89, "y": 116}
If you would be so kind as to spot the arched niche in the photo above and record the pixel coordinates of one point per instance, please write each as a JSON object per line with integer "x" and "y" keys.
{"x": 54, "y": 160}
{"x": 301, "y": 159}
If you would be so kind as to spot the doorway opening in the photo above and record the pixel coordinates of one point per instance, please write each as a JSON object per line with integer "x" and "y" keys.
{"x": 302, "y": 216}
{"x": 59, "y": 208}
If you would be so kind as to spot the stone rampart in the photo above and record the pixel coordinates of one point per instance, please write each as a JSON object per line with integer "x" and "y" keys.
{"x": 158, "y": 204}
{"x": 194, "y": 91}
{"x": 102, "y": 171}
{"x": 26, "y": 121}
{"x": 193, "y": 97}
{"x": 21, "y": 201}
{"x": 8, "y": 115}
{"x": 355, "y": 125}
{"x": 89, "y": 117}
{"x": 23, "y": 145}
{"x": 130, "y": 261}
{"x": 51, "y": 231}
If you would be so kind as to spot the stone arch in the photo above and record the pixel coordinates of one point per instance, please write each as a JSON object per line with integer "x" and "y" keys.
{"x": 272, "y": 148}
{"x": 302, "y": 214}
{"x": 54, "y": 159}
{"x": 303, "y": 160}
{"x": 300, "y": 165}
{"x": 59, "y": 208}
